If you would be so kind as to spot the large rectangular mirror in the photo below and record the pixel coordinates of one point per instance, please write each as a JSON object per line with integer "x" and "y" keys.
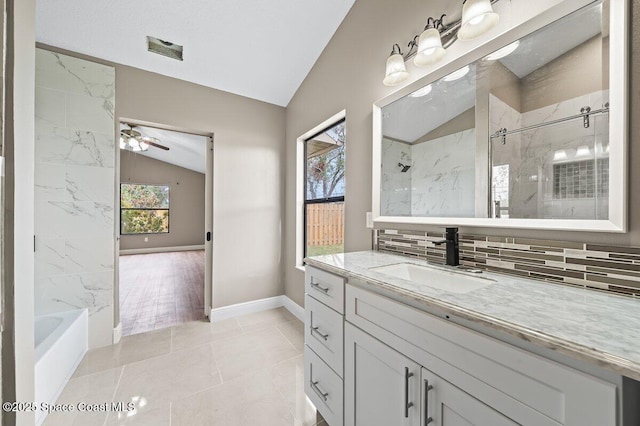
{"x": 532, "y": 134}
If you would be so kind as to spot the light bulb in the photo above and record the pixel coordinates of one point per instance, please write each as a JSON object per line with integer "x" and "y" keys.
{"x": 505, "y": 51}
{"x": 456, "y": 75}
{"x": 421, "y": 92}
{"x": 430, "y": 48}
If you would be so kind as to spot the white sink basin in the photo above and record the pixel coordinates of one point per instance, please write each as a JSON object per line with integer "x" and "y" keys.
{"x": 450, "y": 281}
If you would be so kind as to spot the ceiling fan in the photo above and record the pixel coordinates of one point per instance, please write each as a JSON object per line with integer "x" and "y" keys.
{"x": 133, "y": 140}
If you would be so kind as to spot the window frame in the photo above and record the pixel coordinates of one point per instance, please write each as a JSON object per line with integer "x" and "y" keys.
{"x": 168, "y": 209}
{"x": 305, "y": 201}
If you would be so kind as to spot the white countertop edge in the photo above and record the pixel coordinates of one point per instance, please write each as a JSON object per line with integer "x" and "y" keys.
{"x": 611, "y": 362}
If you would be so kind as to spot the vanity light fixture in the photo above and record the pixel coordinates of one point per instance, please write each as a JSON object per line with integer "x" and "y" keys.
{"x": 478, "y": 17}
{"x": 505, "y": 51}
{"x": 457, "y": 75}
{"x": 396, "y": 70}
{"x": 429, "y": 47}
{"x": 421, "y": 92}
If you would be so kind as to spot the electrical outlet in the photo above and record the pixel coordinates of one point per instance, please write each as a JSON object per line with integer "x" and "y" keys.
{"x": 369, "y": 220}
{"x": 146, "y": 239}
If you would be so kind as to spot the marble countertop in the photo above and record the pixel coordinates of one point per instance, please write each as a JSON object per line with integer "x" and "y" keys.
{"x": 594, "y": 327}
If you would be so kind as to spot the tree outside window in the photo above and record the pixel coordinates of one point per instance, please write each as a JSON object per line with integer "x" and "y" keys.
{"x": 144, "y": 209}
{"x": 324, "y": 192}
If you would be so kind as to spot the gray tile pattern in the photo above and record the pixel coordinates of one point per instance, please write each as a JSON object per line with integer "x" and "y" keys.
{"x": 598, "y": 267}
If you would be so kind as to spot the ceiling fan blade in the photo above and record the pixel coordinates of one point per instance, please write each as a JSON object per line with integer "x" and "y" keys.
{"x": 157, "y": 145}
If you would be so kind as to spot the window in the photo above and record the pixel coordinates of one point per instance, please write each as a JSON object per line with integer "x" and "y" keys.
{"x": 324, "y": 156}
{"x": 144, "y": 209}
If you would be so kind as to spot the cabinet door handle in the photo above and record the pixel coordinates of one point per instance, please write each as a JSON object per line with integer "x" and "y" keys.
{"x": 407, "y": 403}
{"x": 316, "y": 389}
{"x": 427, "y": 388}
{"x": 318, "y": 287}
{"x": 319, "y": 333}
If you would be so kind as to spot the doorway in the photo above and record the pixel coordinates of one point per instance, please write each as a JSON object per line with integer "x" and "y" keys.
{"x": 164, "y": 248}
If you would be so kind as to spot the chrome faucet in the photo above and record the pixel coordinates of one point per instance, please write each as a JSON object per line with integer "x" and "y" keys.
{"x": 453, "y": 246}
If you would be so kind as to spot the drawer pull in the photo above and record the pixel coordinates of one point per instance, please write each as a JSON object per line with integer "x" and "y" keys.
{"x": 407, "y": 403}
{"x": 316, "y": 389}
{"x": 427, "y": 388}
{"x": 318, "y": 287}
{"x": 319, "y": 333}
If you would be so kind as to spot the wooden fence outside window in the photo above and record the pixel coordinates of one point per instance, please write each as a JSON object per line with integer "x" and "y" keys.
{"x": 325, "y": 224}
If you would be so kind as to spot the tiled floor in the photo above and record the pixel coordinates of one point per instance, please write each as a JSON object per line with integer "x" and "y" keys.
{"x": 238, "y": 372}
{"x": 160, "y": 290}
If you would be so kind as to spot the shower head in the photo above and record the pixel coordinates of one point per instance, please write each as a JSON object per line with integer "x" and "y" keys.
{"x": 404, "y": 168}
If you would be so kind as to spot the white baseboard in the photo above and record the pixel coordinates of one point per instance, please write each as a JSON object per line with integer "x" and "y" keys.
{"x": 117, "y": 333}
{"x": 293, "y": 307}
{"x": 232, "y": 311}
{"x": 160, "y": 249}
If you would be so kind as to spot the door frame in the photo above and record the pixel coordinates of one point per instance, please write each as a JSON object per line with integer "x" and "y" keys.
{"x": 208, "y": 218}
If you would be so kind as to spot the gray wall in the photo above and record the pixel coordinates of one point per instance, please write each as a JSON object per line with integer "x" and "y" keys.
{"x": 348, "y": 75}
{"x": 248, "y": 174}
{"x": 186, "y": 201}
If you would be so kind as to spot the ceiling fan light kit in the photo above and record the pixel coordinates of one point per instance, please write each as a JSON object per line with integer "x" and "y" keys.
{"x": 132, "y": 140}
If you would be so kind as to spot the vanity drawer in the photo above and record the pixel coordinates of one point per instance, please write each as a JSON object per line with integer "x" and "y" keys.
{"x": 324, "y": 332}
{"x": 324, "y": 388}
{"x": 525, "y": 387}
{"x": 325, "y": 287}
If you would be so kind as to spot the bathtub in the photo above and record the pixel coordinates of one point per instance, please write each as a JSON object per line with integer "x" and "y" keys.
{"x": 61, "y": 340}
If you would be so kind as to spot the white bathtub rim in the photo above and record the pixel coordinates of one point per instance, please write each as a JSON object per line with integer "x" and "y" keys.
{"x": 68, "y": 318}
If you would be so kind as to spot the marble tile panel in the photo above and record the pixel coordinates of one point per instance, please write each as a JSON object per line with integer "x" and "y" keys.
{"x": 49, "y": 257}
{"x": 74, "y": 75}
{"x": 50, "y": 107}
{"x": 69, "y": 292}
{"x": 90, "y": 114}
{"x": 84, "y": 183}
{"x": 89, "y": 255}
{"x": 73, "y": 147}
{"x": 50, "y": 182}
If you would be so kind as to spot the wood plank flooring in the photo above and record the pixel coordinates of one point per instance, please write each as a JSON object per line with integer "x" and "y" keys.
{"x": 160, "y": 290}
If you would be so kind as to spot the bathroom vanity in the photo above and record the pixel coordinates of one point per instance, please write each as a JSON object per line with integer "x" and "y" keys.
{"x": 396, "y": 341}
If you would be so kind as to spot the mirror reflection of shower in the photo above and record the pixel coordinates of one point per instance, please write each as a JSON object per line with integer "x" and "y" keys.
{"x": 405, "y": 168}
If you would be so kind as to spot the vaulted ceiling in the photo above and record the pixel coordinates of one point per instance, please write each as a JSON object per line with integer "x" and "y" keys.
{"x": 255, "y": 48}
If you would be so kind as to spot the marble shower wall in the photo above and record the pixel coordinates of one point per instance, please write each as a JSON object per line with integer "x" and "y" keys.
{"x": 75, "y": 190}
{"x": 443, "y": 177}
{"x": 531, "y": 156}
{"x": 395, "y": 191}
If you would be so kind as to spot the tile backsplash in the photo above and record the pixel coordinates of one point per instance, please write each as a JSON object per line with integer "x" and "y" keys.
{"x": 614, "y": 269}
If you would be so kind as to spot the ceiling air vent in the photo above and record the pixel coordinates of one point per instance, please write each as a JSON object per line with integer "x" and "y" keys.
{"x": 164, "y": 48}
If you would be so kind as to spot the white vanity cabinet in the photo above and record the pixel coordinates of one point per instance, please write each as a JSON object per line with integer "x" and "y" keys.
{"x": 469, "y": 372}
{"x": 324, "y": 343}
{"x": 371, "y": 360}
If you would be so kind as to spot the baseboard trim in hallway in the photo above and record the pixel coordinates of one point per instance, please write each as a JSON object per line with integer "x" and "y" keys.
{"x": 160, "y": 250}
{"x": 239, "y": 309}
